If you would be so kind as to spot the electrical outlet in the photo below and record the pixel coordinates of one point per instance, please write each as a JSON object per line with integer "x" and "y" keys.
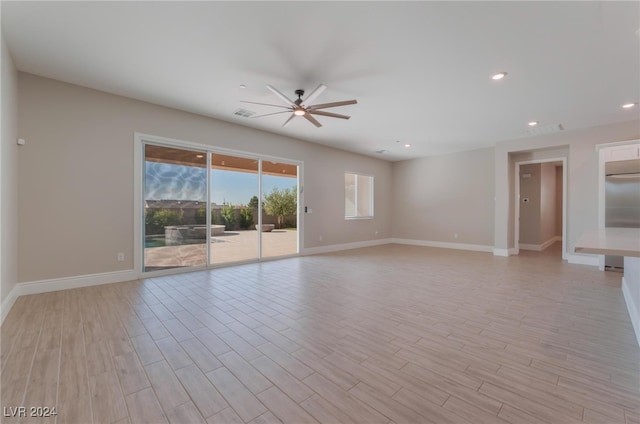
{"x": 455, "y": 235}
{"x": 120, "y": 256}
{"x": 320, "y": 238}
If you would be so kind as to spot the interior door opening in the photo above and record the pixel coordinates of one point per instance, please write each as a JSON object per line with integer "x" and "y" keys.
{"x": 540, "y": 204}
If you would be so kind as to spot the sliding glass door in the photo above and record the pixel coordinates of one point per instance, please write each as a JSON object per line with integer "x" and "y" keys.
{"x": 175, "y": 200}
{"x": 279, "y": 209}
{"x": 205, "y": 208}
{"x": 234, "y": 208}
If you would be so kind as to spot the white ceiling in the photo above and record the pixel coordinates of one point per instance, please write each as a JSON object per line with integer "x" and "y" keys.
{"x": 419, "y": 70}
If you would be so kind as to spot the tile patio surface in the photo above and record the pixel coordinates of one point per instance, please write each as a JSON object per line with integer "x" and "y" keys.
{"x": 233, "y": 246}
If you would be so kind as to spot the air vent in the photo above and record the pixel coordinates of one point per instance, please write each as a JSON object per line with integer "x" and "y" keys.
{"x": 244, "y": 113}
{"x": 545, "y": 129}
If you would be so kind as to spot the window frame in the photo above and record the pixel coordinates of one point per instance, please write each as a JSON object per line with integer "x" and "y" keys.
{"x": 371, "y": 196}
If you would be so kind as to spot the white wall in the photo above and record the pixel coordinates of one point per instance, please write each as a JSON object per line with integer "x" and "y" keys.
{"x": 76, "y": 177}
{"x": 436, "y": 197}
{"x": 582, "y": 168}
{"x": 631, "y": 291}
{"x": 8, "y": 178}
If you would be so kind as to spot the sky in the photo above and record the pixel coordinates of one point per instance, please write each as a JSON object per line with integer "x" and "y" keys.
{"x": 165, "y": 181}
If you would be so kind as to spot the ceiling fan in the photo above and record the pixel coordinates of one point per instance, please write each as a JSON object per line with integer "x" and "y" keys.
{"x": 302, "y": 107}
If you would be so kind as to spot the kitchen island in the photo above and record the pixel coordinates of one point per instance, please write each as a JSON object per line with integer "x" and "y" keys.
{"x": 619, "y": 242}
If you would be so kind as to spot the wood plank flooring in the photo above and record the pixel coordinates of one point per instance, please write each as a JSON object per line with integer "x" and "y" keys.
{"x": 390, "y": 334}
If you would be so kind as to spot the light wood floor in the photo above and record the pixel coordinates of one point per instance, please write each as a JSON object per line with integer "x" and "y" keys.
{"x": 387, "y": 334}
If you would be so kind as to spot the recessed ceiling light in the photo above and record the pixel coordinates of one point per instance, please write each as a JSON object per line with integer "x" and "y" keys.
{"x": 499, "y": 76}
{"x": 199, "y": 156}
{"x": 629, "y": 105}
{"x": 407, "y": 145}
{"x": 533, "y": 123}
{"x": 243, "y": 86}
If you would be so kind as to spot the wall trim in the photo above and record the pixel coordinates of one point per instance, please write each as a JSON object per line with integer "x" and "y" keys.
{"x": 55, "y": 284}
{"x": 540, "y": 247}
{"x": 8, "y": 302}
{"x": 443, "y": 244}
{"x": 591, "y": 260}
{"x": 632, "y": 309}
{"x": 343, "y": 246}
{"x": 501, "y": 252}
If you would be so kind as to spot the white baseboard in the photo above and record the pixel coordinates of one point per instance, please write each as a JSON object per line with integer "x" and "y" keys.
{"x": 344, "y": 246}
{"x": 527, "y": 246}
{"x": 501, "y": 252}
{"x": 591, "y": 260}
{"x": 540, "y": 247}
{"x": 632, "y": 308}
{"x": 8, "y": 302}
{"x": 55, "y": 284}
{"x": 443, "y": 244}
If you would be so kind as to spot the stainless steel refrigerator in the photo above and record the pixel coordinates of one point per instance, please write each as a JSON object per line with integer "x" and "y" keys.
{"x": 622, "y": 200}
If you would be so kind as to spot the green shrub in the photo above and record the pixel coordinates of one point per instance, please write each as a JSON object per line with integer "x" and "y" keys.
{"x": 246, "y": 217}
{"x": 156, "y": 220}
{"x": 201, "y": 216}
{"x": 228, "y": 215}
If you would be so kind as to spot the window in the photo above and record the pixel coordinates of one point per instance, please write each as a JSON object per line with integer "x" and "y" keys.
{"x": 358, "y": 196}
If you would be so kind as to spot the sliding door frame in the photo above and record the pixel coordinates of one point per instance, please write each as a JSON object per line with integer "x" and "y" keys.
{"x": 140, "y": 139}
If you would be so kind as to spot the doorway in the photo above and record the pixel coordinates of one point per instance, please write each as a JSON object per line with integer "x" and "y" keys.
{"x": 540, "y": 206}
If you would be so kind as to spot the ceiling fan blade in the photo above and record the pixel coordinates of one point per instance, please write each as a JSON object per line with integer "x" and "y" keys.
{"x": 315, "y": 93}
{"x": 263, "y": 104}
{"x": 293, "y": 115}
{"x": 313, "y": 120}
{"x": 334, "y": 104}
{"x": 282, "y": 96}
{"x": 333, "y": 115}
{"x": 269, "y": 114}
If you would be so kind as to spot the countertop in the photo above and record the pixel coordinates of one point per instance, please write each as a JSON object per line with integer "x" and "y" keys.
{"x": 610, "y": 241}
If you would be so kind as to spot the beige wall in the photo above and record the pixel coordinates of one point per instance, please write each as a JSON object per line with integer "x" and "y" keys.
{"x": 8, "y": 176}
{"x": 582, "y": 169}
{"x": 76, "y": 177}
{"x": 436, "y": 197}
{"x": 79, "y": 157}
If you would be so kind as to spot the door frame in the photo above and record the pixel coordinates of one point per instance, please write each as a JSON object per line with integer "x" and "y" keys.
{"x": 139, "y": 140}
{"x": 516, "y": 208}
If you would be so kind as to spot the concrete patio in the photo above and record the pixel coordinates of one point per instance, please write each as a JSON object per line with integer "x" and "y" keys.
{"x": 232, "y": 246}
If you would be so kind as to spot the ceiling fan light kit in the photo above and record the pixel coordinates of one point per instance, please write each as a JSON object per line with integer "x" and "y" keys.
{"x": 303, "y": 107}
